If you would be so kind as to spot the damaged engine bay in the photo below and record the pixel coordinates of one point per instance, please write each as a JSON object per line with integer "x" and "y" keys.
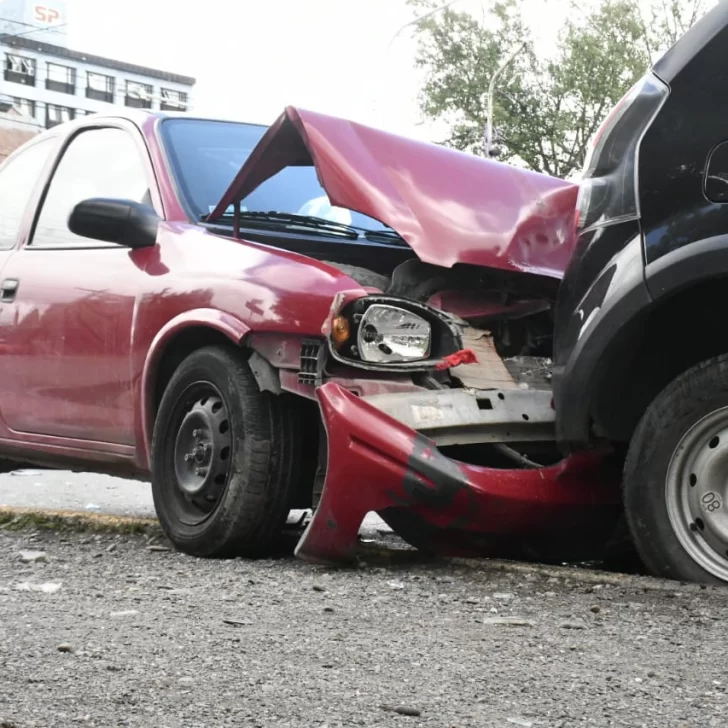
{"x": 507, "y": 329}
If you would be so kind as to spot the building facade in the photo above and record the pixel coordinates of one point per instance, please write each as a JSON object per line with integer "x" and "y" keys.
{"x": 52, "y": 84}
{"x": 48, "y": 83}
{"x": 15, "y": 129}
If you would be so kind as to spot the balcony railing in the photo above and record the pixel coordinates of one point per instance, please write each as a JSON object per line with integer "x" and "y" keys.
{"x": 96, "y": 95}
{"x": 60, "y": 86}
{"x": 136, "y": 103}
{"x": 18, "y": 77}
{"x": 171, "y": 106}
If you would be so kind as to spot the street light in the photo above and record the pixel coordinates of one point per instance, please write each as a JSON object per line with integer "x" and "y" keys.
{"x": 488, "y": 137}
{"x": 408, "y": 24}
{"x": 488, "y": 141}
{"x": 414, "y": 21}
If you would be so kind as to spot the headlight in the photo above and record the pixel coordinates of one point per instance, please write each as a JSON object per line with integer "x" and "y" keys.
{"x": 390, "y": 334}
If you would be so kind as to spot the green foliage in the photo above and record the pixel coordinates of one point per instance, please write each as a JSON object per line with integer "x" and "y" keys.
{"x": 545, "y": 109}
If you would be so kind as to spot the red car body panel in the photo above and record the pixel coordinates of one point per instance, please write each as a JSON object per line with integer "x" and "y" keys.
{"x": 449, "y": 206}
{"x": 84, "y": 341}
{"x": 375, "y": 463}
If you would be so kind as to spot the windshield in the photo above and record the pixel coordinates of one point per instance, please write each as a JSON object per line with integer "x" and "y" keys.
{"x": 206, "y": 156}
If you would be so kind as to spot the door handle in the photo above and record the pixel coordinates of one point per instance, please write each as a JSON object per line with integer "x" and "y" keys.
{"x": 8, "y": 289}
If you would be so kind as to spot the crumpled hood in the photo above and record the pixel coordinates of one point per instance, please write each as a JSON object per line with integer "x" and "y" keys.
{"x": 450, "y": 207}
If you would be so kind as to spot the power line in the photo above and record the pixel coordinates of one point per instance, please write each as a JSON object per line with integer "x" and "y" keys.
{"x": 33, "y": 28}
{"x": 5, "y": 36}
{"x": 27, "y": 25}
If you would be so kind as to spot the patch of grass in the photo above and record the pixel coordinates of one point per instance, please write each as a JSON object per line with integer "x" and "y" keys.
{"x": 18, "y": 519}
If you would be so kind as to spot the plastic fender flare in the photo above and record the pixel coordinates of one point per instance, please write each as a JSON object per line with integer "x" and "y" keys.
{"x": 690, "y": 264}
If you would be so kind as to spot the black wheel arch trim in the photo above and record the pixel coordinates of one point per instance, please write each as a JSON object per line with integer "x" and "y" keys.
{"x": 617, "y": 318}
{"x": 690, "y": 264}
{"x": 619, "y": 326}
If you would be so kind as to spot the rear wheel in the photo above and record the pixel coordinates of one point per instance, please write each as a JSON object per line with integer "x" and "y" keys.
{"x": 676, "y": 478}
{"x": 223, "y": 456}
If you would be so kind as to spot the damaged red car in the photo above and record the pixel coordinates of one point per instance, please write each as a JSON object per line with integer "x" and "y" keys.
{"x": 323, "y": 315}
{"x": 313, "y": 315}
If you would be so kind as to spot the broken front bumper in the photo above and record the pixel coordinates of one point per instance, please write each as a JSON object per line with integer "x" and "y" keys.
{"x": 377, "y": 461}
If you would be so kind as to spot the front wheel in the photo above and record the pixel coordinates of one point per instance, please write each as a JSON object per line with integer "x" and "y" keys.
{"x": 676, "y": 478}
{"x": 223, "y": 458}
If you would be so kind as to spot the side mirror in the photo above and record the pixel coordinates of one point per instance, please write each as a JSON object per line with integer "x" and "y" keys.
{"x": 125, "y": 222}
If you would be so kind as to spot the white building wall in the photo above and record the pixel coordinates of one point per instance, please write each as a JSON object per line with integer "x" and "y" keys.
{"x": 79, "y": 101}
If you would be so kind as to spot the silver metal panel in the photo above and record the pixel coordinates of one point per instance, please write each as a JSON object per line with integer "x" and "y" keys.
{"x": 464, "y": 416}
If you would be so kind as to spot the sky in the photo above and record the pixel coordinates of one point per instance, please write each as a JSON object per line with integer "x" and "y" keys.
{"x": 251, "y": 58}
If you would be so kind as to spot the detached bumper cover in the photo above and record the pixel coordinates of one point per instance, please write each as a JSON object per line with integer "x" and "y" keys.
{"x": 375, "y": 462}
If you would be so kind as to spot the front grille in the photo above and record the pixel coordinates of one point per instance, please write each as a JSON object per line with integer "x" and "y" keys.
{"x": 312, "y": 363}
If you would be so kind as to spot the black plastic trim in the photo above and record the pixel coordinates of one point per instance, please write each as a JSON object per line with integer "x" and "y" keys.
{"x": 619, "y": 307}
{"x": 699, "y": 261}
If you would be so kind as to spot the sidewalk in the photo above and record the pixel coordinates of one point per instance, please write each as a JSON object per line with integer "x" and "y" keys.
{"x": 51, "y": 490}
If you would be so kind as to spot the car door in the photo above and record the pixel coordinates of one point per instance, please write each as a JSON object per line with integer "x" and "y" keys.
{"x": 69, "y": 323}
{"x": 18, "y": 178}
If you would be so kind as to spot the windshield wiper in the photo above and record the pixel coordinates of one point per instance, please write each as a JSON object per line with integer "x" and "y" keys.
{"x": 377, "y": 236}
{"x": 289, "y": 219}
{"x": 266, "y": 219}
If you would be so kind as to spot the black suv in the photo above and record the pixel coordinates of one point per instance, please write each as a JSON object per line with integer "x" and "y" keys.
{"x": 641, "y": 340}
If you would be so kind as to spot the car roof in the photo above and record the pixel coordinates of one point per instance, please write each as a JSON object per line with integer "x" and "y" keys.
{"x": 139, "y": 117}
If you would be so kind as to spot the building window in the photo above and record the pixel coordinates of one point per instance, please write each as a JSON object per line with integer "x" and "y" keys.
{"x": 173, "y": 100}
{"x": 56, "y": 115}
{"x": 61, "y": 79}
{"x": 25, "y": 106}
{"x": 19, "y": 69}
{"x": 139, "y": 95}
{"x": 100, "y": 87}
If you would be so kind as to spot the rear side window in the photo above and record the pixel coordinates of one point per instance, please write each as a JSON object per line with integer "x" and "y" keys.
{"x": 17, "y": 180}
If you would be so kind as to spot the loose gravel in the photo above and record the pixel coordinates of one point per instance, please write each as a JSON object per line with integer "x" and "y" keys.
{"x": 105, "y": 631}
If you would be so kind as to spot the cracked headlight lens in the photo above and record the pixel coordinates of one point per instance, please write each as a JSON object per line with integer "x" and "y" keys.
{"x": 389, "y": 334}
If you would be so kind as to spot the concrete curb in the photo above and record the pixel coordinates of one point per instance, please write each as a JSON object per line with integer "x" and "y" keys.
{"x": 15, "y": 519}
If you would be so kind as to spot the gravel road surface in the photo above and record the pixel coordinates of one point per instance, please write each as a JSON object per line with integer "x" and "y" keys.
{"x": 108, "y": 630}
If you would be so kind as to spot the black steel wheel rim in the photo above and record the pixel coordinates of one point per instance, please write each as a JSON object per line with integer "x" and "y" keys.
{"x": 200, "y": 449}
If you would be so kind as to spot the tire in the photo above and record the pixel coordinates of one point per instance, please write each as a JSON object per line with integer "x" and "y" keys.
{"x": 673, "y": 474}
{"x": 231, "y": 498}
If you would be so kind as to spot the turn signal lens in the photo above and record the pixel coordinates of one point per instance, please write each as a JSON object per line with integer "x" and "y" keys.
{"x": 340, "y": 331}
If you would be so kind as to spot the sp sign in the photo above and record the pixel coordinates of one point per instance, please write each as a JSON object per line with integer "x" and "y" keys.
{"x": 43, "y": 15}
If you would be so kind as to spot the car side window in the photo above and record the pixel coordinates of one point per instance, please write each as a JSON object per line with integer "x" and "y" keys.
{"x": 97, "y": 163}
{"x": 17, "y": 180}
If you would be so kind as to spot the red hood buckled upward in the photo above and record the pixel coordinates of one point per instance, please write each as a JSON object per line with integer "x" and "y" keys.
{"x": 450, "y": 207}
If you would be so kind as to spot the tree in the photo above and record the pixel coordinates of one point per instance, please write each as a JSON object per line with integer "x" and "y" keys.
{"x": 546, "y": 109}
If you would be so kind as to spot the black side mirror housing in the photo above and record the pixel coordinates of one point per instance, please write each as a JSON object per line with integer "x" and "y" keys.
{"x": 125, "y": 222}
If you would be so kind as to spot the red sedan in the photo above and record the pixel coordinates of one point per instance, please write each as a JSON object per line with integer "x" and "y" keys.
{"x": 313, "y": 315}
